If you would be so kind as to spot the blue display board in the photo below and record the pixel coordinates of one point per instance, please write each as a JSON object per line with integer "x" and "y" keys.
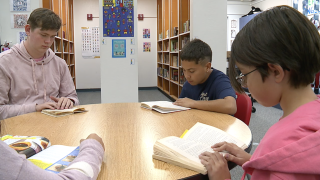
{"x": 118, "y": 48}
{"x": 118, "y": 18}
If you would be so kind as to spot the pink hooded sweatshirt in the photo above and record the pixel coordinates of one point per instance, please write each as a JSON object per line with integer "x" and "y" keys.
{"x": 290, "y": 149}
{"x": 25, "y": 83}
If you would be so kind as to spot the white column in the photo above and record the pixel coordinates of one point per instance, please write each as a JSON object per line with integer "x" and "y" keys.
{"x": 208, "y": 22}
{"x": 119, "y": 79}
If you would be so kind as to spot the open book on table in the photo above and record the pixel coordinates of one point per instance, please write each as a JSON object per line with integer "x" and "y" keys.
{"x": 62, "y": 112}
{"x": 163, "y": 106}
{"x": 185, "y": 151}
{"x": 39, "y": 151}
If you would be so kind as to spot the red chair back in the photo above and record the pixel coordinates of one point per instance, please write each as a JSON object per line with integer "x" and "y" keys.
{"x": 316, "y": 81}
{"x": 244, "y": 108}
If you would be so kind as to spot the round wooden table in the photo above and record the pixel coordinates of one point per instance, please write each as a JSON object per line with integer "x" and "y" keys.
{"x": 129, "y": 133}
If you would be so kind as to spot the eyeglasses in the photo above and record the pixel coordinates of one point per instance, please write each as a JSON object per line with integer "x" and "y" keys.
{"x": 241, "y": 80}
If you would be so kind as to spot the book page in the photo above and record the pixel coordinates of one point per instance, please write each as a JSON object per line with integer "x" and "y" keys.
{"x": 55, "y": 158}
{"x": 27, "y": 145}
{"x": 186, "y": 148}
{"x": 164, "y": 105}
{"x": 210, "y": 135}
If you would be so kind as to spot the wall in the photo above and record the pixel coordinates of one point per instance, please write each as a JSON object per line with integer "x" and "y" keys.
{"x": 208, "y": 23}
{"x": 6, "y": 33}
{"x": 235, "y": 10}
{"x": 147, "y": 60}
{"x": 119, "y": 79}
{"x": 88, "y": 73}
{"x": 266, "y": 4}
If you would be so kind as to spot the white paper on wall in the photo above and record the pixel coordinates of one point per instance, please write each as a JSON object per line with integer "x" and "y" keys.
{"x": 86, "y": 47}
{"x": 19, "y": 5}
{"x": 95, "y": 41}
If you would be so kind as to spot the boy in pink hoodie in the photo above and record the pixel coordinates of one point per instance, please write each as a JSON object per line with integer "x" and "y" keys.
{"x": 278, "y": 54}
{"x": 32, "y": 77}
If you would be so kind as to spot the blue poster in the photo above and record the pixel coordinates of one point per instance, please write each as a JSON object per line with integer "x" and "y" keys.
{"x": 118, "y": 18}
{"x": 118, "y": 48}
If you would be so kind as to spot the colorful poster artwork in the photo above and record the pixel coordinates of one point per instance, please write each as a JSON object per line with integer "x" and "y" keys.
{"x": 147, "y": 47}
{"x": 22, "y": 36}
{"x": 118, "y": 18}
{"x": 19, "y": 20}
{"x": 19, "y": 5}
{"x": 146, "y": 33}
{"x": 118, "y": 48}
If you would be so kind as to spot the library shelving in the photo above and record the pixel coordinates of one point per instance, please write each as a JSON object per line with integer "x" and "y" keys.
{"x": 63, "y": 45}
{"x": 173, "y": 33}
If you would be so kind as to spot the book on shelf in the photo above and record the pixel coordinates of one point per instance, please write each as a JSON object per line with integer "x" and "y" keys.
{"x": 182, "y": 78}
{"x": 160, "y": 36}
{"x": 160, "y": 58}
{"x": 63, "y": 112}
{"x": 167, "y": 34}
{"x": 184, "y": 41}
{"x": 166, "y": 58}
{"x": 166, "y": 46}
{"x": 184, "y": 151}
{"x": 175, "y": 61}
{"x": 40, "y": 152}
{"x": 165, "y": 73}
{"x": 186, "y": 26}
{"x": 175, "y": 31}
{"x": 159, "y": 71}
{"x": 70, "y": 47}
{"x": 175, "y": 75}
{"x": 174, "y": 45}
{"x": 163, "y": 107}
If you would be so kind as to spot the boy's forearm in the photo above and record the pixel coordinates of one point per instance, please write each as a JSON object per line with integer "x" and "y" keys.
{"x": 226, "y": 106}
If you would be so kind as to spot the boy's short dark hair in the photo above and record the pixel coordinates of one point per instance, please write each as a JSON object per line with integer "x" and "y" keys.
{"x": 197, "y": 51}
{"x": 282, "y": 36}
{"x": 45, "y": 19}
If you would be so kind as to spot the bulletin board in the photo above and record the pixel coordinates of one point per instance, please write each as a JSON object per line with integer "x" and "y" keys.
{"x": 118, "y": 18}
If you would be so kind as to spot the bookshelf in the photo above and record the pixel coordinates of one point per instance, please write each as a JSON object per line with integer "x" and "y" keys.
{"x": 173, "y": 33}
{"x": 63, "y": 45}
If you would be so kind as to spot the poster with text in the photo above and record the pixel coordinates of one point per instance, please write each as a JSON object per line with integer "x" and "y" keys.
{"x": 19, "y": 5}
{"x": 118, "y": 48}
{"x": 146, "y": 33}
{"x": 86, "y": 34}
{"x": 147, "y": 47}
{"x": 118, "y": 18}
{"x": 95, "y": 41}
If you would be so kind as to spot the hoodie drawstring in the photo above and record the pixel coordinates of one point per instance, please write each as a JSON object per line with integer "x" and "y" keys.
{"x": 45, "y": 84}
{"x": 34, "y": 77}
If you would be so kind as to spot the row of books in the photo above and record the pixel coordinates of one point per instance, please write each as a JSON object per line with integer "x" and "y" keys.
{"x": 166, "y": 46}
{"x": 182, "y": 78}
{"x": 163, "y": 72}
{"x": 186, "y": 26}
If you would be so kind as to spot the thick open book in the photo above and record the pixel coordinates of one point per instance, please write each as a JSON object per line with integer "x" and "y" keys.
{"x": 163, "y": 106}
{"x": 63, "y": 112}
{"x": 185, "y": 151}
{"x": 39, "y": 151}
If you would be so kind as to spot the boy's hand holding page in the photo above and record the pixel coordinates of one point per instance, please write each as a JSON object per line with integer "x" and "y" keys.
{"x": 63, "y": 112}
{"x": 163, "y": 106}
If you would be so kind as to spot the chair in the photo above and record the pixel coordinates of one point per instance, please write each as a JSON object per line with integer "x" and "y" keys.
{"x": 244, "y": 107}
{"x": 316, "y": 83}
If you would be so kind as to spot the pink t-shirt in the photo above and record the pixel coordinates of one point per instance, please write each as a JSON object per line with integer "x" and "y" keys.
{"x": 40, "y": 59}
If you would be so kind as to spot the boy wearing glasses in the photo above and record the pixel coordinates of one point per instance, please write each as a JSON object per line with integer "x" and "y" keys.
{"x": 206, "y": 88}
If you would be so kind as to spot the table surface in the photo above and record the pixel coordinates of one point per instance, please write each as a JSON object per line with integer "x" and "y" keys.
{"x": 129, "y": 133}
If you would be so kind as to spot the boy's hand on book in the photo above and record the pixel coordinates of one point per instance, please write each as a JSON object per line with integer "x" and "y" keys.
{"x": 216, "y": 165}
{"x": 185, "y": 102}
{"x": 47, "y": 105}
{"x": 235, "y": 153}
{"x": 96, "y": 137}
{"x": 63, "y": 102}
